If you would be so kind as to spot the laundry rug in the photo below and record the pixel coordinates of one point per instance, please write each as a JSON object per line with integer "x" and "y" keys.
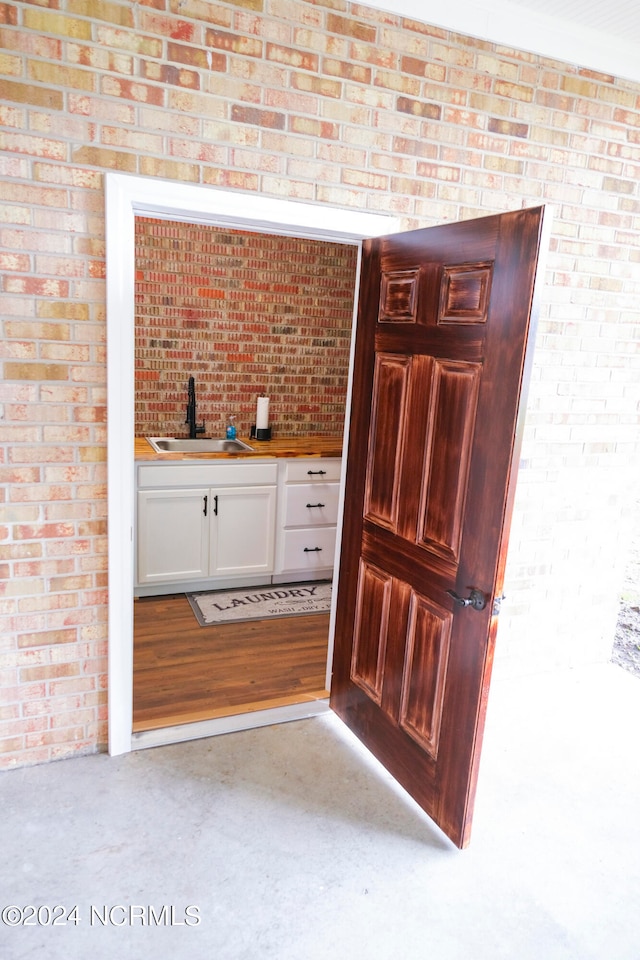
{"x": 259, "y": 603}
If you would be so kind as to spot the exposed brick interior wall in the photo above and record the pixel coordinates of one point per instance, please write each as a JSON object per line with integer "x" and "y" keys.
{"x": 326, "y": 102}
{"x": 244, "y": 313}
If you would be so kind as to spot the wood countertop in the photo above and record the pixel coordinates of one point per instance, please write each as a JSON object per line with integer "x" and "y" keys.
{"x": 279, "y": 447}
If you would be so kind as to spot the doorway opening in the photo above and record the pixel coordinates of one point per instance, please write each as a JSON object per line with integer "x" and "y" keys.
{"x": 126, "y": 198}
{"x": 245, "y": 313}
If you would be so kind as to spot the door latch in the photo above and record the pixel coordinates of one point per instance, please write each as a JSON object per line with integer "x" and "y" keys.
{"x": 476, "y": 599}
{"x": 497, "y": 605}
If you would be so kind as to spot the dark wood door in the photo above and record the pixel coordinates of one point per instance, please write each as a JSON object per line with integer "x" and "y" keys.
{"x": 444, "y": 319}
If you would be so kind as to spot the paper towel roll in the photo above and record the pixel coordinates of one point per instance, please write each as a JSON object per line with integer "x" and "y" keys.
{"x": 262, "y": 413}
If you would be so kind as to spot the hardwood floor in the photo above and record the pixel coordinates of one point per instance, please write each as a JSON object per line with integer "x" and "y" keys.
{"x": 183, "y": 672}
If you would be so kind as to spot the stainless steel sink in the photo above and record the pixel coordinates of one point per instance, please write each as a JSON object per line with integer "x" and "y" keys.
{"x": 176, "y": 445}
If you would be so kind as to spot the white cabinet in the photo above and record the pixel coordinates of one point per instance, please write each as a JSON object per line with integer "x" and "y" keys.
{"x": 243, "y": 531}
{"x": 200, "y": 522}
{"x": 173, "y": 535}
{"x": 214, "y": 524}
{"x": 308, "y": 512}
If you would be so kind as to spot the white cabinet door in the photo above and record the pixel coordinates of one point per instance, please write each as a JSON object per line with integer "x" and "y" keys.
{"x": 173, "y": 535}
{"x": 242, "y": 534}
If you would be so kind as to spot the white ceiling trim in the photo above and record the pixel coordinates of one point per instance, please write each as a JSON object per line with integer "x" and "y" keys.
{"x": 507, "y": 23}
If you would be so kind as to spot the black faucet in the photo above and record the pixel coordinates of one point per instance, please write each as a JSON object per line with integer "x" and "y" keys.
{"x": 194, "y": 427}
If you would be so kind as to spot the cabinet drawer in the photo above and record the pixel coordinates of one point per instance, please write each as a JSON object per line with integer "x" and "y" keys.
{"x": 311, "y": 504}
{"x": 311, "y": 549}
{"x": 310, "y": 471}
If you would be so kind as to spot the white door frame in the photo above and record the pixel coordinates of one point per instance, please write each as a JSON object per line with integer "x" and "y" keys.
{"x": 127, "y": 197}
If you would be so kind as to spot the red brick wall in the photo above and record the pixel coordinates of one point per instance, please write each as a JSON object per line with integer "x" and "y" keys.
{"x": 324, "y": 102}
{"x": 244, "y": 313}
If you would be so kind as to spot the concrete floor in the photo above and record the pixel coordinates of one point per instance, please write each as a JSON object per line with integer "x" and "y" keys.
{"x": 294, "y": 845}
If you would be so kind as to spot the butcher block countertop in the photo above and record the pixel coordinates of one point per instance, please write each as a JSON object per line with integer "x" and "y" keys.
{"x": 279, "y": 447}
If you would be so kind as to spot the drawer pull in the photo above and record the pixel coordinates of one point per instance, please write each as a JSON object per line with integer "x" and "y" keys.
{"x": 313, "y": 550}
{"x": 206, "y": 501}
{"x": 311, "y": 473}
{"x": 310, "y": 505}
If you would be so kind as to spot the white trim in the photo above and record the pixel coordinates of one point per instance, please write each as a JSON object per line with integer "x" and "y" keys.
{"x": 239, "y": 721}
{"x": 519, "y": 26}
{"x": 128, "y": 196}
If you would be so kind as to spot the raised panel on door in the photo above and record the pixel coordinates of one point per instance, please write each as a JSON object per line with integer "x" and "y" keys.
{"x": 371, "y": 629}
{"x": 399, "y": 295}
{"x": 450, "y": 421}
{"x": 465, "y": 291}
{"x": 425, "y": 671}
{"x": 388, "y": 416}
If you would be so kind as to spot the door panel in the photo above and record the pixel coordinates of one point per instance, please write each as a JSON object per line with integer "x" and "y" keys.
{"x": 371, "y": 630}
{"x": 425, "y": 671}
{"x": 444, "y": 319}
{"x": 385, "y": 446}
{"x": 399, "y": 296}
{"x": 464, "y": 293}
{"x": 450, "y": 421}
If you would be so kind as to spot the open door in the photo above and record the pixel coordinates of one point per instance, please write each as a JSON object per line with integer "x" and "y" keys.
{"x": 444, "y": 320}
